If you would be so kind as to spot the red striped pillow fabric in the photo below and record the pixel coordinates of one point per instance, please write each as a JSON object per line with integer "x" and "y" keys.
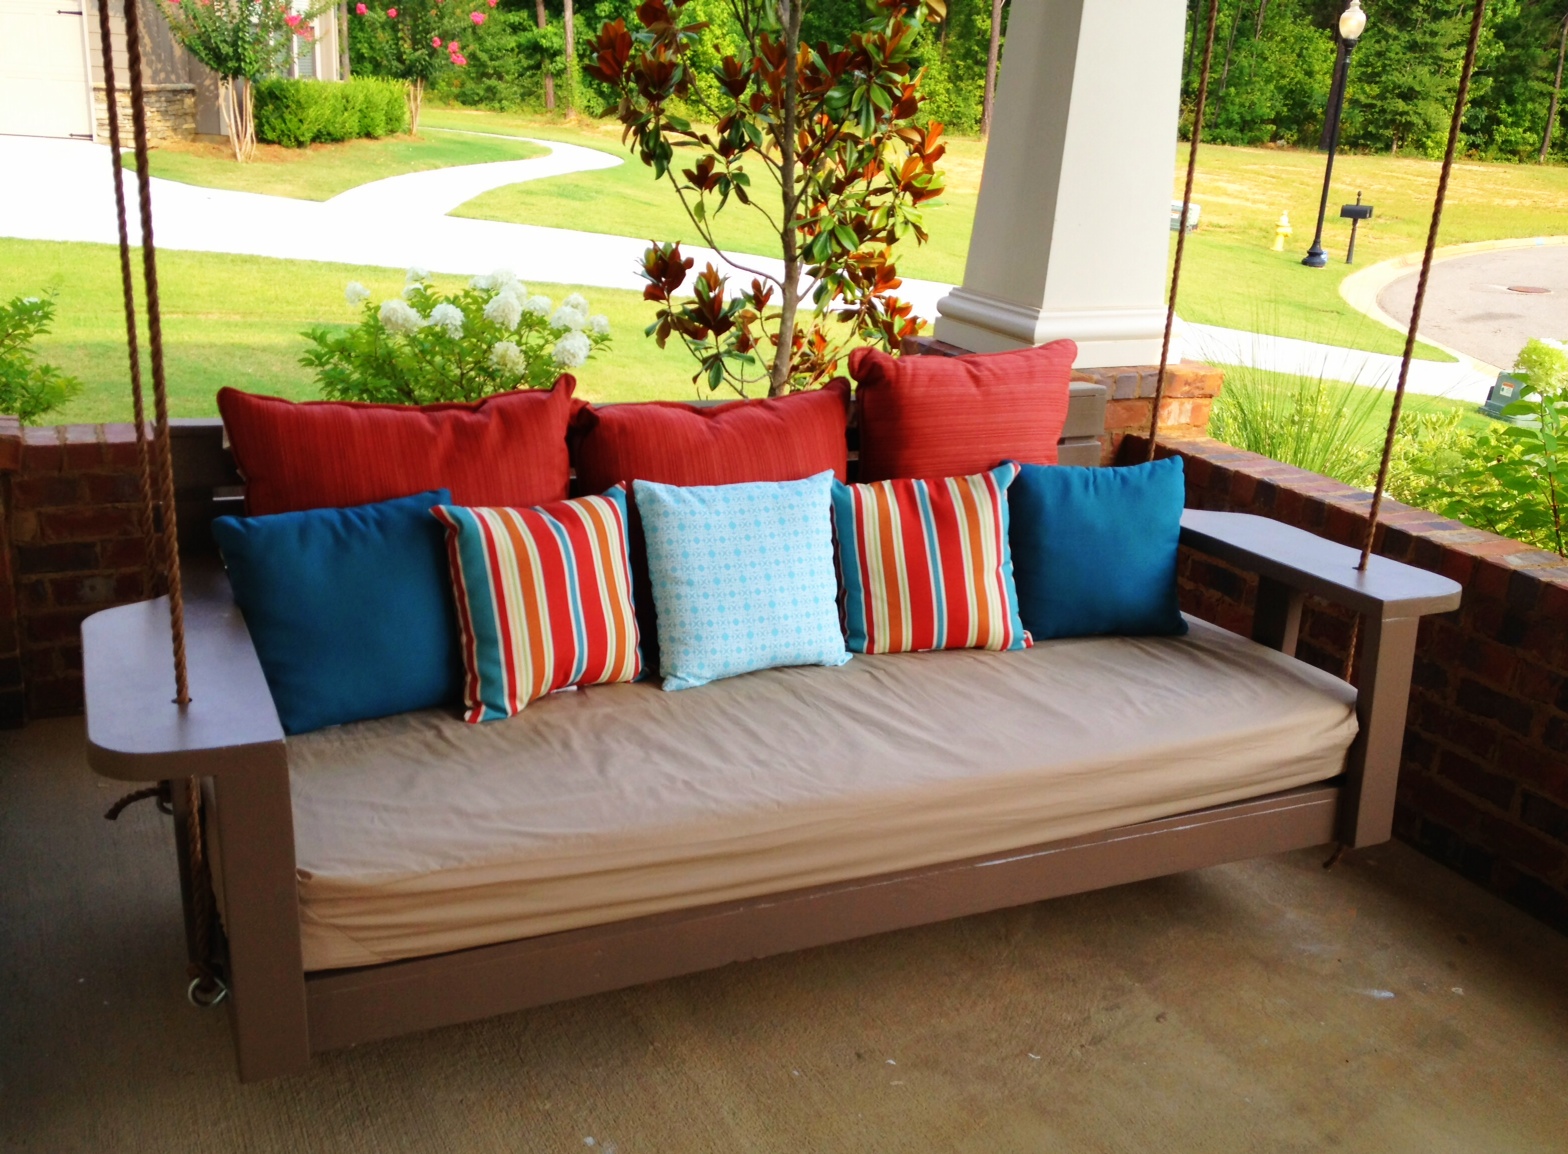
{"x": 544, "y": 600}
{"x": 926, "y": 564}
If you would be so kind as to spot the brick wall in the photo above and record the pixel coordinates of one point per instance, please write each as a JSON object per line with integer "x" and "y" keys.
{"x": 69, "y": 509}
{"x": 1190, "y": 389}
{"x": 1484, "y": 784}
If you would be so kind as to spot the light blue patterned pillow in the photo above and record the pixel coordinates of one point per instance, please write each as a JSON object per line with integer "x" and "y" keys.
{"x": 743, "y": 577}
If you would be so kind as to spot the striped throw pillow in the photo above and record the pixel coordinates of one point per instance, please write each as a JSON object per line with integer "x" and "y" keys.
{"x": 543, "y": 600}
{"x": 926, "y": 564}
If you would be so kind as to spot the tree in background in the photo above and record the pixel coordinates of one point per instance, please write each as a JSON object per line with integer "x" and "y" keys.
{"x": 822, "y": 139}
{"x": 240, "y": 41}
{"x": 1557, "y": 90}
{"x": 417, "y": 40}
{"x": 993, "y": 57}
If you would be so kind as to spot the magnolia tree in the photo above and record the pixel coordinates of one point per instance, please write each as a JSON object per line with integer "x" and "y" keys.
{"x": 241, "y": 41}
{"x": 427, "y": 346}
{"x": 823, "y": 141}
{"x": 420, "y": 38}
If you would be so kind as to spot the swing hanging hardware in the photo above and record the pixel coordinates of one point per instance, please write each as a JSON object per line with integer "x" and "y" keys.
{"x": 160, "y": 792}
{"x": 206, "y": 991}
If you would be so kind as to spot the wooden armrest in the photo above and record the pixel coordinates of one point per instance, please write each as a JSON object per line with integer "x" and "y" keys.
{"x": 135, "y": 732}
{"x": 1310, "y": 564}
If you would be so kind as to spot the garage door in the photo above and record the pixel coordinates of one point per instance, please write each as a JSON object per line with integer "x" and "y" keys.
{"x": 43, "y": 68}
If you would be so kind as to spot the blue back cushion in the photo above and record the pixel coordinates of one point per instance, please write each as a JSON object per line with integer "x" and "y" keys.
{"x": 1094, "y": 550}
{"x": 350, "y": 609}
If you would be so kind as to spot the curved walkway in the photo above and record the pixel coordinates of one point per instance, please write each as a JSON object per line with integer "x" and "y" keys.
{"x": 402, "y": 221}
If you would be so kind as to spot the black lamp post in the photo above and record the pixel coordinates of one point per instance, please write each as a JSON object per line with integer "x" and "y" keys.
{"x": 1352, "y": 22}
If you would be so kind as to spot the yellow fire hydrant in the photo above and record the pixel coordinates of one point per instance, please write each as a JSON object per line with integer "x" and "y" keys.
{"x": 1282, "y": 232}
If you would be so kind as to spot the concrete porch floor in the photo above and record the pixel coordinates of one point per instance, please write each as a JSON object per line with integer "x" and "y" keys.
{"x": 1385, "y": 1006}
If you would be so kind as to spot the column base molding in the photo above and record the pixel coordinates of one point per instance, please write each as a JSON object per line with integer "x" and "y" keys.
{"x": 1105, "y": 337}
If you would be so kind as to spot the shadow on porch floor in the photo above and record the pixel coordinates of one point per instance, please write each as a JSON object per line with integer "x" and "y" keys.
{"x": 1385, "y": 1006}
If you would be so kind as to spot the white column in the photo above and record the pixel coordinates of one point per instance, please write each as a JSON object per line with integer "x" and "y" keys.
{"x": 1073, "y": 228}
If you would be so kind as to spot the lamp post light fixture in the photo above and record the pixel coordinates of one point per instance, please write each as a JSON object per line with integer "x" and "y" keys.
{"x": 1352, "y": 22}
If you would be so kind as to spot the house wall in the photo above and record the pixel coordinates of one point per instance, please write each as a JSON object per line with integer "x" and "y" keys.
{"x": 173, "y": 82}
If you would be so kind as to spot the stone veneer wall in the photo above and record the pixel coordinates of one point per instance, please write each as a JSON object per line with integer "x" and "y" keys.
{"x": 1484, "y": 784}
{"x": 171, "y": 113}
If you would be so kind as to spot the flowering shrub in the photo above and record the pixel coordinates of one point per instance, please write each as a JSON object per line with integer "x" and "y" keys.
{"x": 28, "y": 389}
{"x": 241, "y": 41}
{"x": 423, "y": 346}
{"x": 415, "y": 41}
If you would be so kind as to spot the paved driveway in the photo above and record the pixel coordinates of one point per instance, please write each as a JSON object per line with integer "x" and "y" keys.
{"x": 1473, "y": 303}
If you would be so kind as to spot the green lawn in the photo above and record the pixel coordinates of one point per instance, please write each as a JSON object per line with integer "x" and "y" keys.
{"x": 324, "y": 170}
{"x": 628, "y": 201}
{"x": 1233, "y": 278}
{"x": 236, "y": 320}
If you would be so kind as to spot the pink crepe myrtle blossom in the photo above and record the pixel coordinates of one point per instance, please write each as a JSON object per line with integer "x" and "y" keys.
{"x": 292, "y": 20}
{"x": 360, "y": 10}
{"x": 477, "y": 17}
{"x": 391, "y": 13}
{"x": 435, "y": 42}
{"x": 458, "y": 60}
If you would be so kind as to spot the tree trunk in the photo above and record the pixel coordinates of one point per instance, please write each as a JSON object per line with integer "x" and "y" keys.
{"x": 549, "y": 81}
{"x": 1557, "y": 91}
{"x": 989, "y": 101}
{"x": 571, "y": 60}
{"x": 1192, "y": 41}
{"x": 1230, "y": 43}
{"x": 343, "y": 62}
{"x": 416, "y": 100}
{"x": 1257, "y": 28}
{"x": 789, "y": 303}
{"x": 236, "y": 104}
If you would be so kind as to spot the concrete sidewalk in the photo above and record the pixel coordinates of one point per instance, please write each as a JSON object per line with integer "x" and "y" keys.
{"x": 57, "y": 190}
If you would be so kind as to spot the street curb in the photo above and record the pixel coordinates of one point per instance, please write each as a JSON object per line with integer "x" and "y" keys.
{"x": 1360, "y": 290}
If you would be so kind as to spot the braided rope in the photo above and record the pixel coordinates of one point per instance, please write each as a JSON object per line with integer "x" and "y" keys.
{"x": 1181, "y": 233}
{"x": 146, "y": 519}
{"x": 200, "y": 878}
{"x": 1380, "y": 489}
{"x": 1421, "y": 284}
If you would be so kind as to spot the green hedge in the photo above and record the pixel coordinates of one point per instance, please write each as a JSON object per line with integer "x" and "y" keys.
{"x": 295, "y": 113}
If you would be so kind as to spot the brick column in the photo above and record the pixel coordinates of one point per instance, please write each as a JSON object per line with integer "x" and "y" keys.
{"x": 74, "y": 547}
{"x": 1190, "y": 390}
{"x": 12, "y": 696}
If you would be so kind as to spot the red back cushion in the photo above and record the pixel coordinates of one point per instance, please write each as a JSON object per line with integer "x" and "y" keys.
{"x": 778, "y": 439}
{"x": 505, "y": 450}
{"x": 930, "y": 416}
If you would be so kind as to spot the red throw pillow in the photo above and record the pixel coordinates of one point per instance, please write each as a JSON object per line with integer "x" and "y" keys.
{"x": 778, "y": 439}
{"x": 930, "y": 416}
{"x": 506, "y": 450}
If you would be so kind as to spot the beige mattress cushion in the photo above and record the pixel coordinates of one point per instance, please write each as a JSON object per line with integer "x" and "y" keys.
{"x": 421, "y": 834}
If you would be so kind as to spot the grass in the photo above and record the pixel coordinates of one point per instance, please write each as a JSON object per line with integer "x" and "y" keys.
{"x": 236, "y": 320}
{"x": 628, "y": 201}
{"x": 324, "y": 170}
{"x": 1231, "y": 271}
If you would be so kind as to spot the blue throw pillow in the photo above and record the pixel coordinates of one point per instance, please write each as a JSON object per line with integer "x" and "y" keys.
{"x": 1094, "y": 550}
{"x": 743, "y": 577}
{"x": 350, "y": 609}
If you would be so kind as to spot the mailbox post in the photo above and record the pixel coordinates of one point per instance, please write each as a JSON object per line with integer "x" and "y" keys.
{"x": 1355, "y": 214}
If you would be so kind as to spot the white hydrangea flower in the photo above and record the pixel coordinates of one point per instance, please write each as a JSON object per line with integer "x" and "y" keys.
{"x": 36, "y": 300}
{"x": 448, "y": 316}
{"x": 599, "y": 325}
{"x": 504, "y": 278}
{"x": 569, "y": 318}
{"x": 417, "y": 275}
{"x": 483, "y": 282}
{"x": 505, "y": 310}
{"x": 577, "y": 301}
{"x": 538, "y": 305}
{"x": 410, "y": 289}
{"x": 354, "y": 292}
{"x": 572, "y": 350}
{"x": 506, "y": 356}
{"x": 398, "y": 316}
